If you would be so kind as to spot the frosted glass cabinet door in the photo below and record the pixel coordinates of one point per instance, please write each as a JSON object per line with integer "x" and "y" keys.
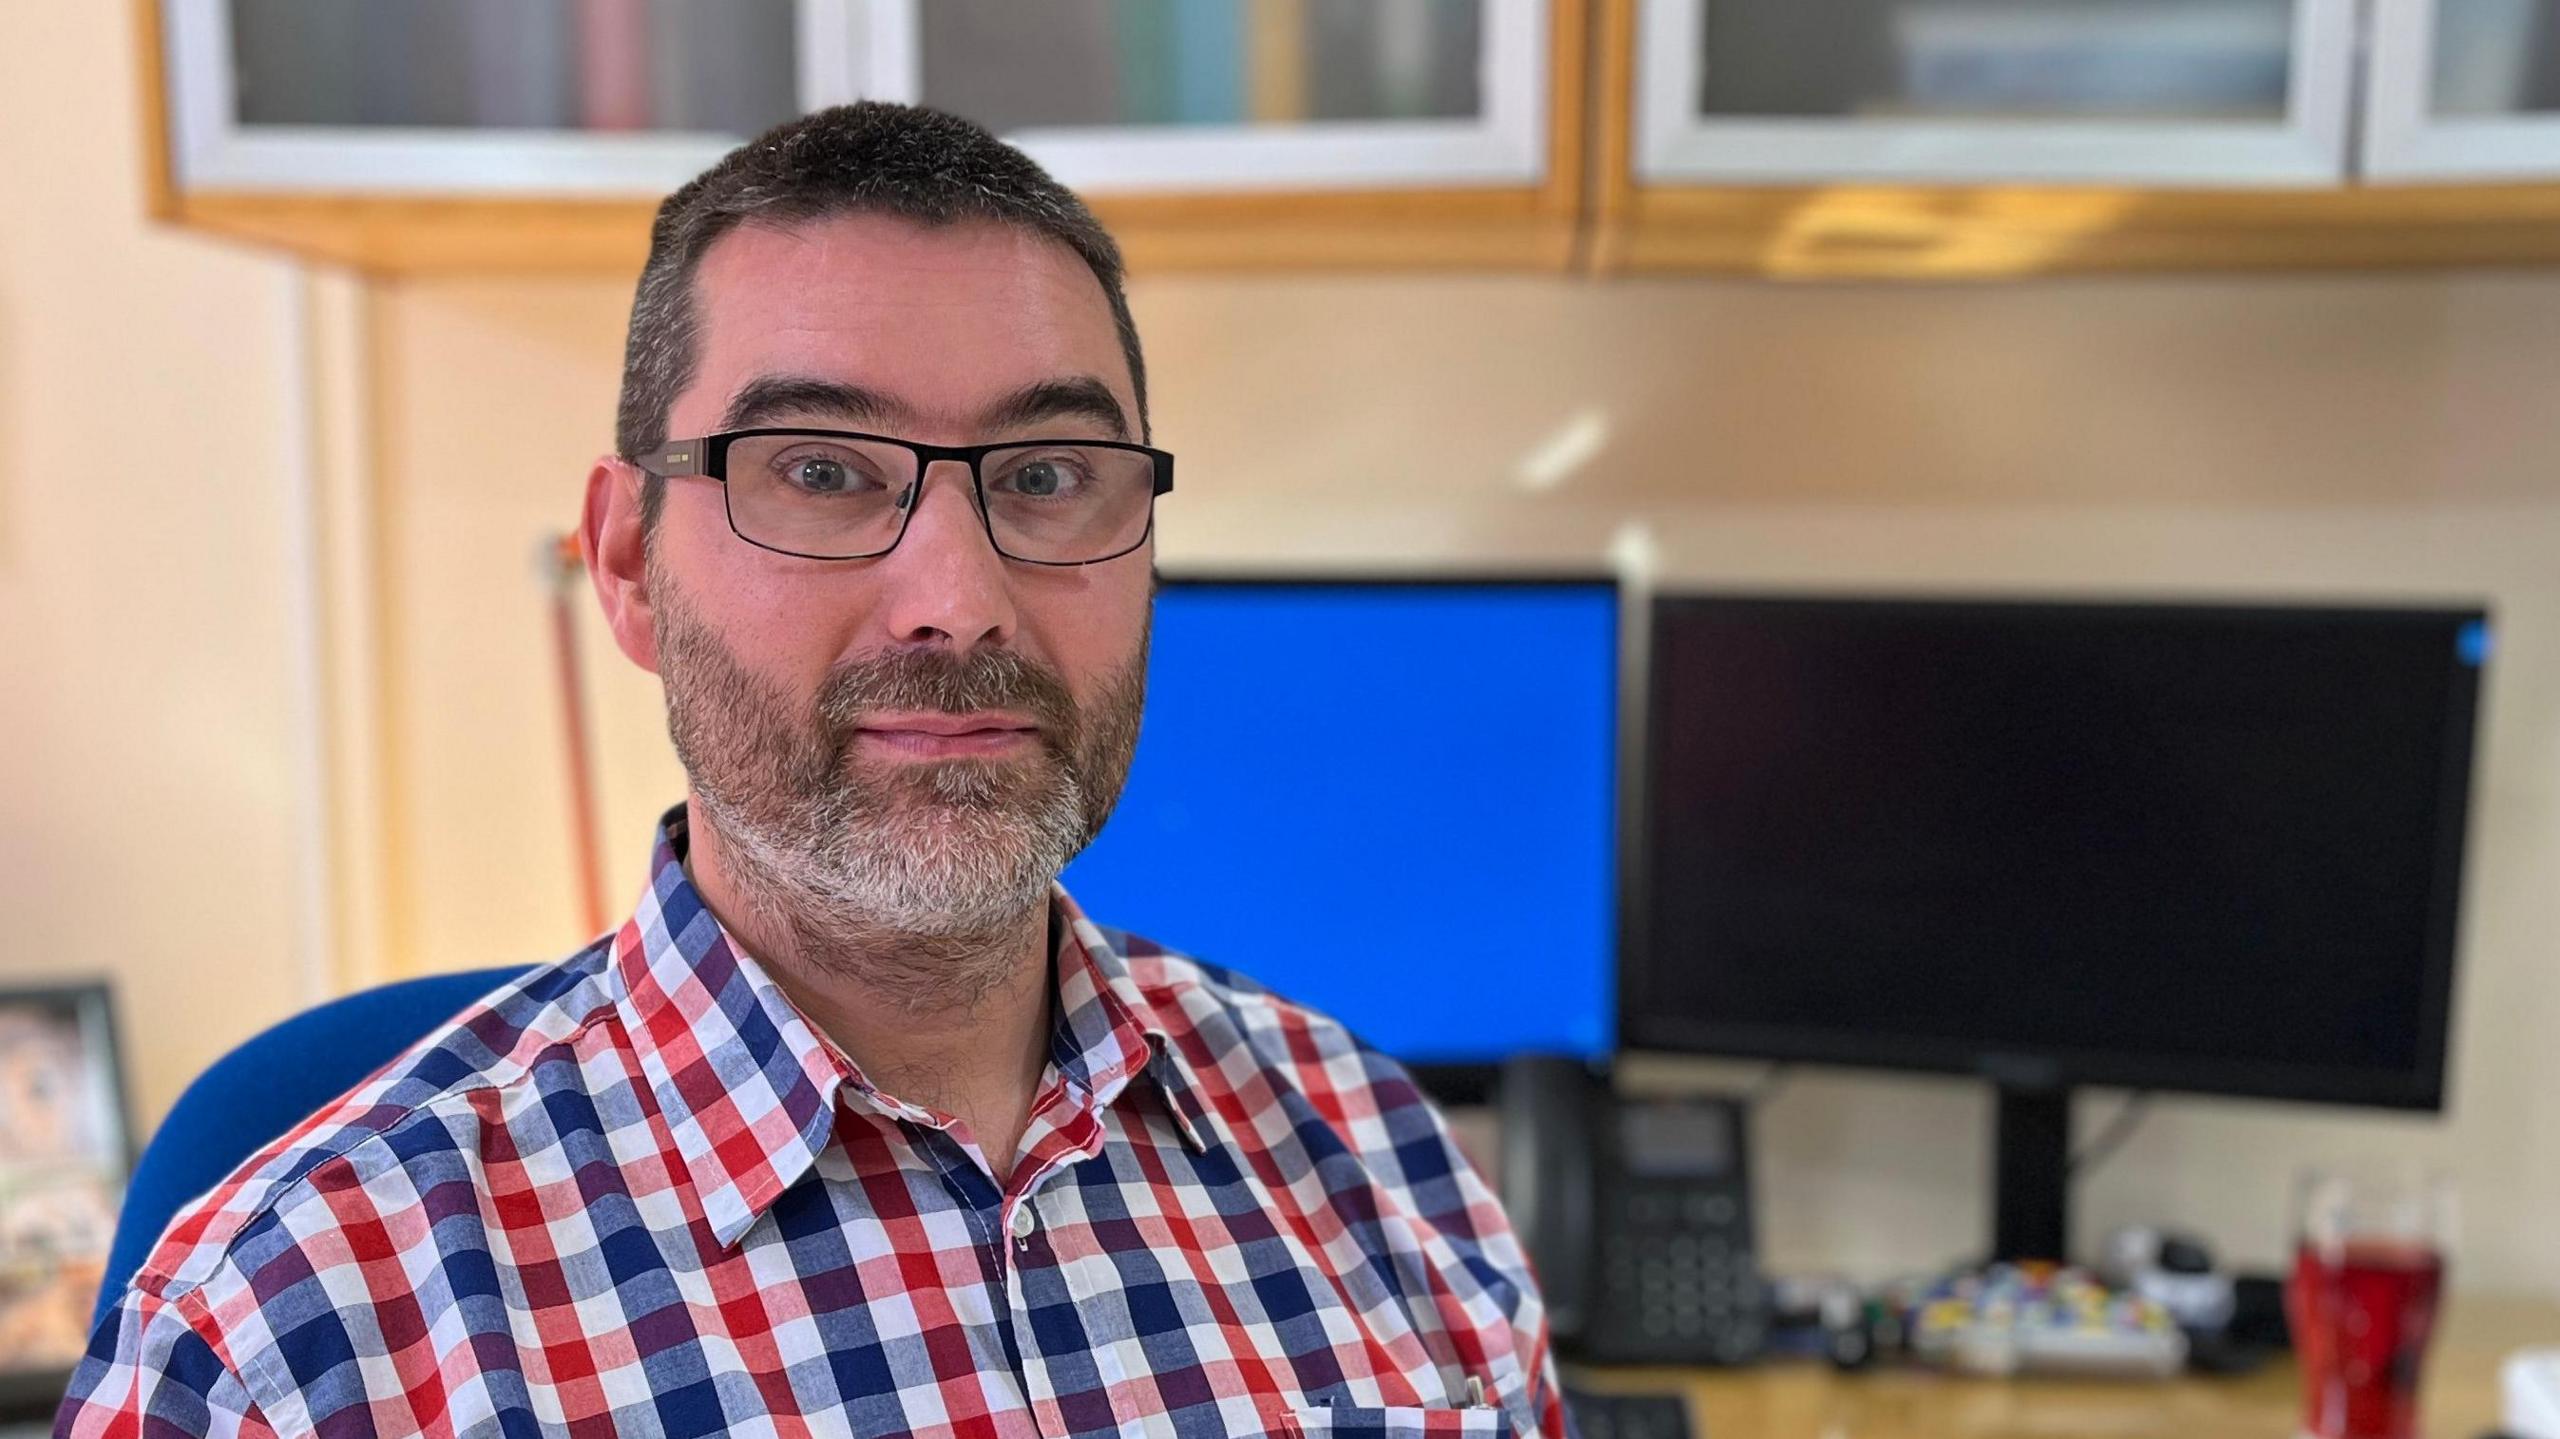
{"x": 1124, "y": 96}
{"x": 636, "y": 96}
{"x": 2099, "y": 91}
{"x": 540, "y": 96}
{"x": 2464, "y": 89}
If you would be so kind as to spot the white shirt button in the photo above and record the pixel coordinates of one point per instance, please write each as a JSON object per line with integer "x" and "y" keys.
{"x": 1024, "y": 1221}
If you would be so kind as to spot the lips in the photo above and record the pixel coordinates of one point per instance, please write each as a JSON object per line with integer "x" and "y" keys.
{"x": 948, "y": 736}
{"x": 949, "y": 725}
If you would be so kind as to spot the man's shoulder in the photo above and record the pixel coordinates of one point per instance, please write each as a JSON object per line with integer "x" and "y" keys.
{"x": 418, "y": 1113}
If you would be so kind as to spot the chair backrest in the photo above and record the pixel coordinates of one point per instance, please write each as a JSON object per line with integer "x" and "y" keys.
{"x": 268, "y": 1085}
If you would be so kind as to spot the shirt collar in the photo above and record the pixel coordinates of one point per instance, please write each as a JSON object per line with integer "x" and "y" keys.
{"x": 1109, "y": 1030}
{"x": 748, "y": 1086}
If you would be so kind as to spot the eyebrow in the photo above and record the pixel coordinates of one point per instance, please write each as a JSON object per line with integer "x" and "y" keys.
{"x": 768, "y": 398}
{"x": 1079, "y": 397}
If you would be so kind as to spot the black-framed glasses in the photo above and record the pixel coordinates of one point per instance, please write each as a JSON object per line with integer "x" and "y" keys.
{"x": 844, "y": 495}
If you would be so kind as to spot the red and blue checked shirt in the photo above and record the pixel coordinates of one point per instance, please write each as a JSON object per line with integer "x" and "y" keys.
{"x": 637, "y": 1193}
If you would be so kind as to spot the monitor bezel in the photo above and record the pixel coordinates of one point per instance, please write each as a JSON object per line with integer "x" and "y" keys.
{"x": 1646, "y": 1023}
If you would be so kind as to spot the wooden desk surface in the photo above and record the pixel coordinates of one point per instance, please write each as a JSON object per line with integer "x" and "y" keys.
{"x": 1795, "y": 1399}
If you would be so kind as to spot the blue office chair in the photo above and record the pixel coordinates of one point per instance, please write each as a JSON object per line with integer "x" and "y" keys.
{"x": 269, "y": 1084}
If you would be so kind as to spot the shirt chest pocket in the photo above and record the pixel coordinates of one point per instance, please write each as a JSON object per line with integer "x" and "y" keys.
{"x": 1343, "y": 1421}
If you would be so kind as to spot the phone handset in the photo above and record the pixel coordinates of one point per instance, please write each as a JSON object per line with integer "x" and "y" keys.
{"x": 1550, "y": 1107}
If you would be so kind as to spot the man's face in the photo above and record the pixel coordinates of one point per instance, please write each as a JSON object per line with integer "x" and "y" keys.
{"x": 917, "y": 741}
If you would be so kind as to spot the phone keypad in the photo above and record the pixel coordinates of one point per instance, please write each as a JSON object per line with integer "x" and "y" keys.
{"x": 1680, "y": 1256}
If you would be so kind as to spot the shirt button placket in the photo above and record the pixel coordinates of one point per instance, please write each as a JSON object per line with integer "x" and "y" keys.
{"x": 1017, "y": 1241}
{"x": 1044, "y": 1408}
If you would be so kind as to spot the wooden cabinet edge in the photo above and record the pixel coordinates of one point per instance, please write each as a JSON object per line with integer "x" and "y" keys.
{"x": 1991, "y": 232}
{"x": 159, "y": 184}
{"x": 427, "y": 236}
{"x": 1811, "y": 232}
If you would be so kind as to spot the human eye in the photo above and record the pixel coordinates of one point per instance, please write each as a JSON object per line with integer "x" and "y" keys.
{"x": 1045, "y": 475}
{"x": 811, "y": 468}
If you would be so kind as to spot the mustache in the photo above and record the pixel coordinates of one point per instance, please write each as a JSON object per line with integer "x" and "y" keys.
{"x": 937, "y": 680}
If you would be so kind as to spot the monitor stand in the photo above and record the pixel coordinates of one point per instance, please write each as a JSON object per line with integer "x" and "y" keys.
{"x": 2031, "y": 1173}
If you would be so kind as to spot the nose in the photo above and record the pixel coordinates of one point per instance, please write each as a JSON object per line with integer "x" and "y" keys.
{"x": 946, "y": 584}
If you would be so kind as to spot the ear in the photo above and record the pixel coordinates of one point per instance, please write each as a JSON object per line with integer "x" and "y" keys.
{"x": 610, "y": 541}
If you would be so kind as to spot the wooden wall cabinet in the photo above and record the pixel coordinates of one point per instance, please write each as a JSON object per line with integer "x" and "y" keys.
{"x": 1993, "y": 141}
{"x": 539, "y": 134}
{"x": 1854, "y": 138}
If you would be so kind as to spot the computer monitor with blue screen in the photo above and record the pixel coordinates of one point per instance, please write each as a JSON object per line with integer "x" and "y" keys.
{"x": 1393, "y": 801}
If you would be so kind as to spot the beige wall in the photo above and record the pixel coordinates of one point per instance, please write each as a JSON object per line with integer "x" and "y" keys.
{"x": 2335, "y": 437}
{"x": 148, "y": 758}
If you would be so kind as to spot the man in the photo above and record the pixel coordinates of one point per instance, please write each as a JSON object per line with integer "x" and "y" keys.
{"x": 859, "y": 1125}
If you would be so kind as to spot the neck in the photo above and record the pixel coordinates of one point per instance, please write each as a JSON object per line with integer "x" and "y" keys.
{"x": 958, "y": 1023}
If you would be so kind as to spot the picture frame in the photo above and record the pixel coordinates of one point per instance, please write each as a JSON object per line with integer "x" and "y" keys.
{"x": 66, "y": 1153}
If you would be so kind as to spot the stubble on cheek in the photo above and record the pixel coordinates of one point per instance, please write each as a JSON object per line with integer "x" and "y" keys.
{"x": 839, "y": 841}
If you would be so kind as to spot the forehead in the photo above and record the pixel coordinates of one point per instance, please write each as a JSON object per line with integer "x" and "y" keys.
{"x": 941, "y": 317}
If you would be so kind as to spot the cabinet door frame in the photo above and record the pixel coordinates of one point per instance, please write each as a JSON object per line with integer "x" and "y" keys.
{"x": 211, "y": 150}
{"x": 1676, "y": 147}
{"x": 2405, "y": 141}
{"x": 1506, "y": 147}
{"x": 570, "y": 204}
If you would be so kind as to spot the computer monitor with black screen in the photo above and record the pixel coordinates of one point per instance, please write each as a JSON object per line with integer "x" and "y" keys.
{"x": 2179, "y": 847}
{"x": 1393, "y": 801}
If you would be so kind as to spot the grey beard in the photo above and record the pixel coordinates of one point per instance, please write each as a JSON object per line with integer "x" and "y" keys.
{"x": 911, "y": 882}
{"x": 917, "y": 904}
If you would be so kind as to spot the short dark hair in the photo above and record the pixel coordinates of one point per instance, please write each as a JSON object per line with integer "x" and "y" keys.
{"x": 870, "y": 157}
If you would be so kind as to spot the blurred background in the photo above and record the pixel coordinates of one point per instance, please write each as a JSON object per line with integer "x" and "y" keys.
{"x": 311, "y": 320}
